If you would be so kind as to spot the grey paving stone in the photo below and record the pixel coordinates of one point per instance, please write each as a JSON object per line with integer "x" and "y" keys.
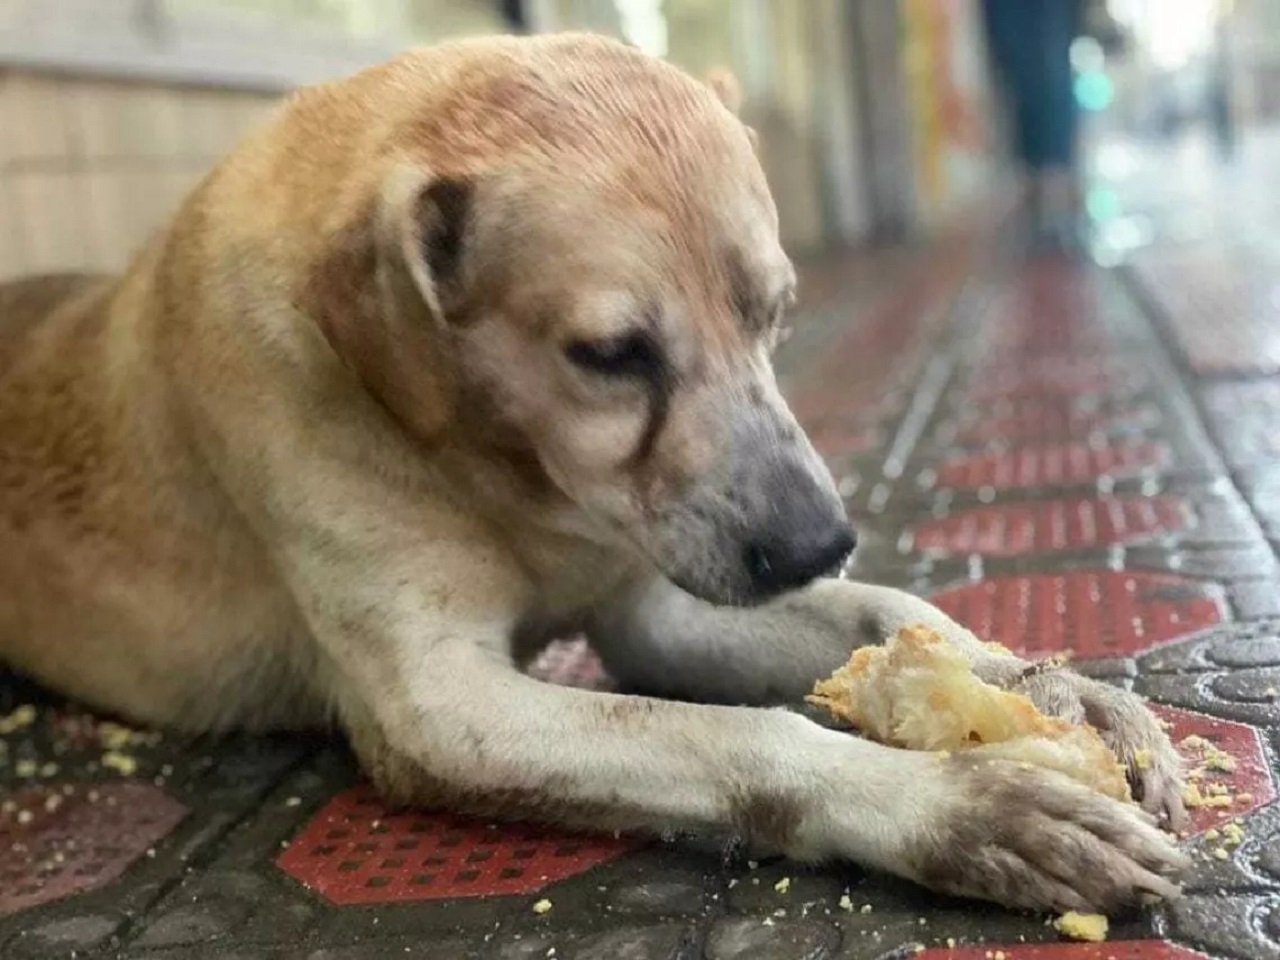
{"x": 752, "y": 938}
{"x": 658, "y": 942}
{"x": 65, "y": 935}
{"x": 1240, "y": 927}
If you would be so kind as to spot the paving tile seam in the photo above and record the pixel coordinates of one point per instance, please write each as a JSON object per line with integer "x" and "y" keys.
{"x": 1157, "y": 317}
{"x": 906, "y": 434}
{"x": 206, "y": 854}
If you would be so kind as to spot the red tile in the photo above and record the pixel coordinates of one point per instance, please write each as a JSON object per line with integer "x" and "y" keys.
{"x": 1251, "y": 778}
{"x": 55, "y": 843}
{"x": 1049, "y": 376}
{"x": 1007, "y": 530}
{"x": 1037, "y": 419}
{"x": 1052, "y": 464}
{"x": 1092, "y": 613}
{"x": 571, "y": 663}
{"x": 357, "y": 851}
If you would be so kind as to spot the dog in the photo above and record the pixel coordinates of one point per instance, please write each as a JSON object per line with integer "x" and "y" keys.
{"x": 464, "y": 353}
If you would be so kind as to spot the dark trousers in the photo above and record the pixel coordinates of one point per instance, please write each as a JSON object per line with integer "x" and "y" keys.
{"x": 513, "y": 12}
{"x": 1030, "y": 46}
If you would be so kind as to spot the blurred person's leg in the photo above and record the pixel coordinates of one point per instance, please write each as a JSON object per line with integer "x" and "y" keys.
{"x": 515, "y": 15}
{"x": 1030, "y": 45}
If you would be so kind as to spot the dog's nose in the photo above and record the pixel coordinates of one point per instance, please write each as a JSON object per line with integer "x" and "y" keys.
{"x": 779, "y": 563}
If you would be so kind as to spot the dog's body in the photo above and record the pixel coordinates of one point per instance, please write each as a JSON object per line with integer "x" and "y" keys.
{"x": 463, "y": 353}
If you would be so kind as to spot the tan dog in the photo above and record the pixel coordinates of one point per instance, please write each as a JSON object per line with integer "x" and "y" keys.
{"x": 462, "y": 353}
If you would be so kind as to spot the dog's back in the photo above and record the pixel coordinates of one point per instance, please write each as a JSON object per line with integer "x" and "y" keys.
{"x": 26, "y": 304}
{"x": 111, "y": 531}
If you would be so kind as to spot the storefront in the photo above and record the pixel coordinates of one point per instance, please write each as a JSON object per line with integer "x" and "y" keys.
{"x": 954, "y": 150}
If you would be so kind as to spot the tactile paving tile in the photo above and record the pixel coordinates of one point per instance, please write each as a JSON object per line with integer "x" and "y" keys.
{"x": 57, "y": 840}
{"x": 1050, "y": 376}
{"x": 1051, "y": 307}
{"x": 356, "y": 851}
{"x": 1091, "y": 613}
{"x": 1223, "y": 308}
{"x": 571, "y": 663}
{"x": 1249, "y": 786}
{"x": 1006, "y": 530}
{"x": 1059, "y": 417}
{"x": 1053, "y": 464}
{"x": 1111, "y": 950}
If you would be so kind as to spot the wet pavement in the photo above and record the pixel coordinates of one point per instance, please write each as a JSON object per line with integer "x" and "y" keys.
{"x": 1062, "y": 456}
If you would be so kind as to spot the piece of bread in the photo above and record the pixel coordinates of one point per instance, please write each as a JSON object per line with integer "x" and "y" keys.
{"x": 919, "y": 693}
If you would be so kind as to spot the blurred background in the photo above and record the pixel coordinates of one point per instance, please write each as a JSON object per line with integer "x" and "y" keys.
{"x": 880, "y": 120}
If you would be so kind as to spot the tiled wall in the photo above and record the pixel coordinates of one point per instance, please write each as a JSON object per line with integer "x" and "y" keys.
{"x": 89, "y": 168}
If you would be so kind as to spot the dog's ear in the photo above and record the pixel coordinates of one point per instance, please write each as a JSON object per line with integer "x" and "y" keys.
{"x": 726, "y": 88}
{"x": 434, "y": 241}
{"x": 389, "y": 286}
{"x": 729, "y": 92}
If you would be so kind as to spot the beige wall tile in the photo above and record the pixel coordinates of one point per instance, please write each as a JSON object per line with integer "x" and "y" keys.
{"x": 125, "y": 208}
{"x": 11, "y": 262}
{"x": 113, "y": 221}
{"x": 211, "y": 123}
{"x": 122, "y": 120}
{"x": 51, "y": 220}
{"x": 33, "y": 116}
{"x": 253, "y": 111}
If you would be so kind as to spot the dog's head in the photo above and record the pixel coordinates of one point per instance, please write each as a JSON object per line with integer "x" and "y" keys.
{"x": 597, "y": 251}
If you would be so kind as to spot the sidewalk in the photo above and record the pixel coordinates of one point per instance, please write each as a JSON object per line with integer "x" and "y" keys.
{"x": 1062, "y": 457}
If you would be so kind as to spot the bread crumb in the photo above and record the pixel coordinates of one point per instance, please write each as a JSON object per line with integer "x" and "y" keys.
{"x": 21, "y": 718}
{"x": 783, "y": 885}
{"x": 1082, "y": 926}
{"x": 1193, "y": 796}
{"x": 951, "y": 943}
{"x": 1211, "y": 834}
{"x": 114, "y": 736}
{"x": 1221, "y": 853}
{"x": 846, "y": 904}
{"x": 25, "y": 768}
{"x": 25, "y": 816}
{"x": 121, "y": 763}
{"x": 542, "y": 907}
{"x": 865, "y": 908}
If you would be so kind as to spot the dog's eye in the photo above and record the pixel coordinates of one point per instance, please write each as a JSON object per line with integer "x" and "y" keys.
{"x": 626, "y": 356}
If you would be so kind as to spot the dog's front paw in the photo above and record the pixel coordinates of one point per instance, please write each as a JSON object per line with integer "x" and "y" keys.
{"x": 1128, "y": 726}
{"x": 1033, "y": 838}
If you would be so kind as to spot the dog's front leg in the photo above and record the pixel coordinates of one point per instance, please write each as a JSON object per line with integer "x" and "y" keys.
{"x": 416, "y": 631}
{"x": 657, "y": 639}
{"x": 466, "y": 730}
